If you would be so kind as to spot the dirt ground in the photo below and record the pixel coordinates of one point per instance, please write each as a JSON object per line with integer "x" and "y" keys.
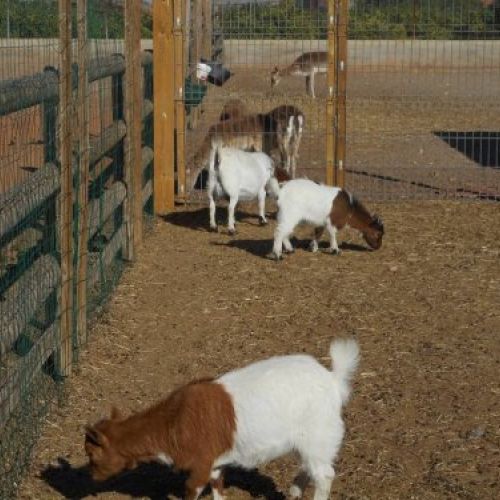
{"x": 423, "y": 419}
{"x": 400, "y": 129}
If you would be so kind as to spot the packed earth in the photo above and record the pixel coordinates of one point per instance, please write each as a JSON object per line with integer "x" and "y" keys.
{"x": 423, "y": 418}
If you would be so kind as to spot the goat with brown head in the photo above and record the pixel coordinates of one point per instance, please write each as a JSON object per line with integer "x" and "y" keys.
{"x": 104, "y": 459}
{"x": 374, "y": 232}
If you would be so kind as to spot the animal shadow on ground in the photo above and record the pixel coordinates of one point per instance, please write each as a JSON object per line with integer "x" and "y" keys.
{"x": 198, "y": 220}
{"x": 262, "y": 248}
{"x": 153, "y": 480}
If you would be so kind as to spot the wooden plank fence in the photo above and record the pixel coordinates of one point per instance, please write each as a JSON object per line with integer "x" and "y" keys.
{"x": 37, "y": 204}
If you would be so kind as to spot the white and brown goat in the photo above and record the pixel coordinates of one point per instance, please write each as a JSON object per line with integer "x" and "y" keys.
{"x": 333, "y": 208}
{"x": 246, "y": 417}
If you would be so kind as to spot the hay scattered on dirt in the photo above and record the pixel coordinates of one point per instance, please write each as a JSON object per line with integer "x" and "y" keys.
{"x": 423, "y": 420}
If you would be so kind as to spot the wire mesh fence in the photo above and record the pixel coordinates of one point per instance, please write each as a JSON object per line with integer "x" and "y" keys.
{"x": 251, "y": 42}
{"x": 423, "y": 99}
{"x": 422, "y": 91}
{"x": 76, "y": 172}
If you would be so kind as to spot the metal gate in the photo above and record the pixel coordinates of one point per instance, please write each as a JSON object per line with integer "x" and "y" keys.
{"x": 422, "y": 94}
{"x": 241, "y": 44}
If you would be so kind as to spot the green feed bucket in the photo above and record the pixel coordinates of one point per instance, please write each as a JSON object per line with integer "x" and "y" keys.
{"x": 193, "y": 94}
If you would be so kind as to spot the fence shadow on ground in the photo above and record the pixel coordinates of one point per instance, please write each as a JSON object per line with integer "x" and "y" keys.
{"x": 153, "y": 480}
{"x": 481, "y": 147}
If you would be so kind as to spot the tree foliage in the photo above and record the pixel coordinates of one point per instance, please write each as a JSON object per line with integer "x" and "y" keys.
{"x": 368, "y": 19}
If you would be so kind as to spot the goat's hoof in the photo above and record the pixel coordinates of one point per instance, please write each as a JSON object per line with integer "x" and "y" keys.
{"x": 263, "y": 222}
{"x": 313, "y": 247}
{"x": 214, "y": 229}
{"x": 274, "y": 256}
{"x": 231, "y": 232}
{"x": 334, "y": 251}
{"x": 292, "y": 250}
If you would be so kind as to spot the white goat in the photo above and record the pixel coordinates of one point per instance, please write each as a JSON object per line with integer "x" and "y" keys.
{"x": 246, "y": 417}
{"x": 302, "y": 200}
{"x": 240, "y": 175}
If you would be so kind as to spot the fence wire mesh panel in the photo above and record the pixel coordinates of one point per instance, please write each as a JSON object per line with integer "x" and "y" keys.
{"x": 76, "y": 107}
{"x": 29, "y": 263}
{"x": 422, "y": 90}
{"x": 260, "y": 58}
{"x": 423, "y": 99}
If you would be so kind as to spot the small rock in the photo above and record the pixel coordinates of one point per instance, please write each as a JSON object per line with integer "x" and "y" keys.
{"x": 476, "y": 433}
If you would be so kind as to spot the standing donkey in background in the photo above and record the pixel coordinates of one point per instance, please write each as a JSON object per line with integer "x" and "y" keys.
{"x": 234, "y": 109}
{"x": 280, "y": 129}
{"x": 307, "y": 64}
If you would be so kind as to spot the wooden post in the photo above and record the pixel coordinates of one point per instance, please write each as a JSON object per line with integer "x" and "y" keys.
{"x": 83, "y": 171}
{"x": 120, "y": 172}
{"x": 193, "y": 33}
{"x": 133, "y": 118}
{"x": 207, "y": 42}
{"x": 331, "y": 104}
{"x": 65, "y": 355}
{"x": 180, "y": 110}
{"x": 341, "y": 138}
{"x": 164, "y": 109}
{"x": 50, "y": 236}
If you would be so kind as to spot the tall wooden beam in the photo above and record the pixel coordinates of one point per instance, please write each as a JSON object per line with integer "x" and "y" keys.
{"x": 133, "y": 118}
{"x": 207, "y": 45}
{"x": 180, "y": 14}
{"x": 83, "y": 170}
{"x": 331, "y": 104}
{"x": 65, "y": 355}
{"x": 164, "y": 109}
{"x": 343, "y": 19}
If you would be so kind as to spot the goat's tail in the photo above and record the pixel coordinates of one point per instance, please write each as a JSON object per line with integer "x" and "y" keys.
{"x": 273, "y": 187}
{"x": 345, "y": 359}
{"x": 201, "y": 159}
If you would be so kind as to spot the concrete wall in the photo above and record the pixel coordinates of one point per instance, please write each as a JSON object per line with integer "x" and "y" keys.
{"x": 406, "y": 54}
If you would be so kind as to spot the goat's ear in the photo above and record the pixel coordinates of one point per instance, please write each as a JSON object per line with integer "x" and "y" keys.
{"x": 116, "y": 414}
{"x": 94, "y": 437}
{"x": 275, "y": 69}
{"x": 378, "y": 221}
